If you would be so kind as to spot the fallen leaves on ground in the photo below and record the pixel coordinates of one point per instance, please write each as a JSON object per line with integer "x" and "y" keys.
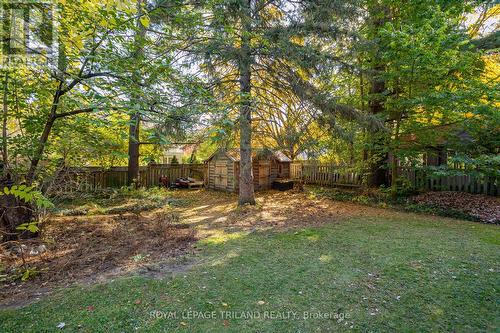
{"x": 482, "y": 207}
{"x": 91, "y": 248}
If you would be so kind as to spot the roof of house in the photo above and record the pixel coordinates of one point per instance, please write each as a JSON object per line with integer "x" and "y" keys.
{"x": 234, "y": 154}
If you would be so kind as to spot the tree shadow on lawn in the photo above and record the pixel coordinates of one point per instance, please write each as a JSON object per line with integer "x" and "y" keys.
{"x": 212, "y": 211}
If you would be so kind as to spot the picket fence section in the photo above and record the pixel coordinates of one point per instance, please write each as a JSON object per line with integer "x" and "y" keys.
{"x": 326, "y": 174}
{"x": 344, "y": 176}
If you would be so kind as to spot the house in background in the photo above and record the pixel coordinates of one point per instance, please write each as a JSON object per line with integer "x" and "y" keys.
{"x": 183, "y": 153}
{"x": 267, "y": 166}
{"x": 445, "y": 139}
{"x": 173, "y": 151}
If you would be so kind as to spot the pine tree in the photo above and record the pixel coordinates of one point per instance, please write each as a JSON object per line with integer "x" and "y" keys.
{"x": 174, "y": 160}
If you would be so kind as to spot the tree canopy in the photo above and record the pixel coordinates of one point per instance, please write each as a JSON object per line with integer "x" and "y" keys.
{"x": 368, "y": 83}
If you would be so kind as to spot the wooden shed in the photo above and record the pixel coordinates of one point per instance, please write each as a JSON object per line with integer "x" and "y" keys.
{"x": 224, "y": 168}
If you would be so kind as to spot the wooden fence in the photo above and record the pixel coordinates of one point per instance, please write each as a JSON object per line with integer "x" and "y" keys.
{"x": 326, "y": 174}
{"x": 90, "y": 179}
{"x": 426, "y": 181}
{"x": 332, "y": 175}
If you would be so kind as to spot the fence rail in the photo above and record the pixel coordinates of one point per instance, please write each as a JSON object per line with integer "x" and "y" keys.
{"x": 88, "y": 179}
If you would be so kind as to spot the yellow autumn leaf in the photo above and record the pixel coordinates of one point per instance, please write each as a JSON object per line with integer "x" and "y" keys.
{"x": 145, "y": 21}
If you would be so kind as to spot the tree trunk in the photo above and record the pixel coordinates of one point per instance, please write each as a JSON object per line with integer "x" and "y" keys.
{"x": 133, "y": 149}
{"x": 135, "y": 119}
{"x": 14, "y": 212}
{"x": 395, "y": 145}
{"x": 378, "y": 158}
{"x": 5, "y": 158}
{"x": 30, "y": 176}
{"x": 394, "y": 165}
{"x": 394, "y": 177}
{"x": 246, "y": 187}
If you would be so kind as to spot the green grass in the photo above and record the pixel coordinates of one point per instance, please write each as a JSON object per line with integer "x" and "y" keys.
{"x": 396, "y": 273}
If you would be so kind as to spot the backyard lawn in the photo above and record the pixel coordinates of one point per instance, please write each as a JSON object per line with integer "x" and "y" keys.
{"x": 293, "y": 263}
{"x": 249, "y": 166}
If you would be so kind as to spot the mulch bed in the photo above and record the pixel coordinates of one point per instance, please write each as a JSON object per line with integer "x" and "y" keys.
{"x": 480, "y": 207}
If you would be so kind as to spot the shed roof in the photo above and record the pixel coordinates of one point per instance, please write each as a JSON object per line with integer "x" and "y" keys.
{"x": 234, "y": 154}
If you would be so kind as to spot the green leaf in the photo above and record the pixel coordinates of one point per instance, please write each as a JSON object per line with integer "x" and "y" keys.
{"x": 33, "y": 228}
{"x": 26, "y": 275}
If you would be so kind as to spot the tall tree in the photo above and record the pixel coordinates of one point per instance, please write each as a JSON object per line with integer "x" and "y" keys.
{"x": 379, "y": 14}
{"x": 84, "y": 37}
{"x": 422, "y": 66}
{"x": 252, "y": 48}
{"x": 245, "y": 61}
{"x": 135, "y": 116}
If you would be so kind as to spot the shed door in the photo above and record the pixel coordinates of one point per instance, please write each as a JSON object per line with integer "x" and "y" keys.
{"x": 264, "y": 169}
{"x": 220, "y": 174}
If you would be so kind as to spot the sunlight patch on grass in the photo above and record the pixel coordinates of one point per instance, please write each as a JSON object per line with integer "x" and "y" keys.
{"x": 326, "y": 258}
{"x": 313, "y": 238}
{"x": 270, "y": 217}
{"x": 491, "y": 239}
{"x": 221, "y": 261}
{"x": 199, "y": 218}
{"x": 312, "y": 235}
{"x": 220, "y": 237}
{"x": 221, "y": 219}
{"x": 490, "y": 235}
